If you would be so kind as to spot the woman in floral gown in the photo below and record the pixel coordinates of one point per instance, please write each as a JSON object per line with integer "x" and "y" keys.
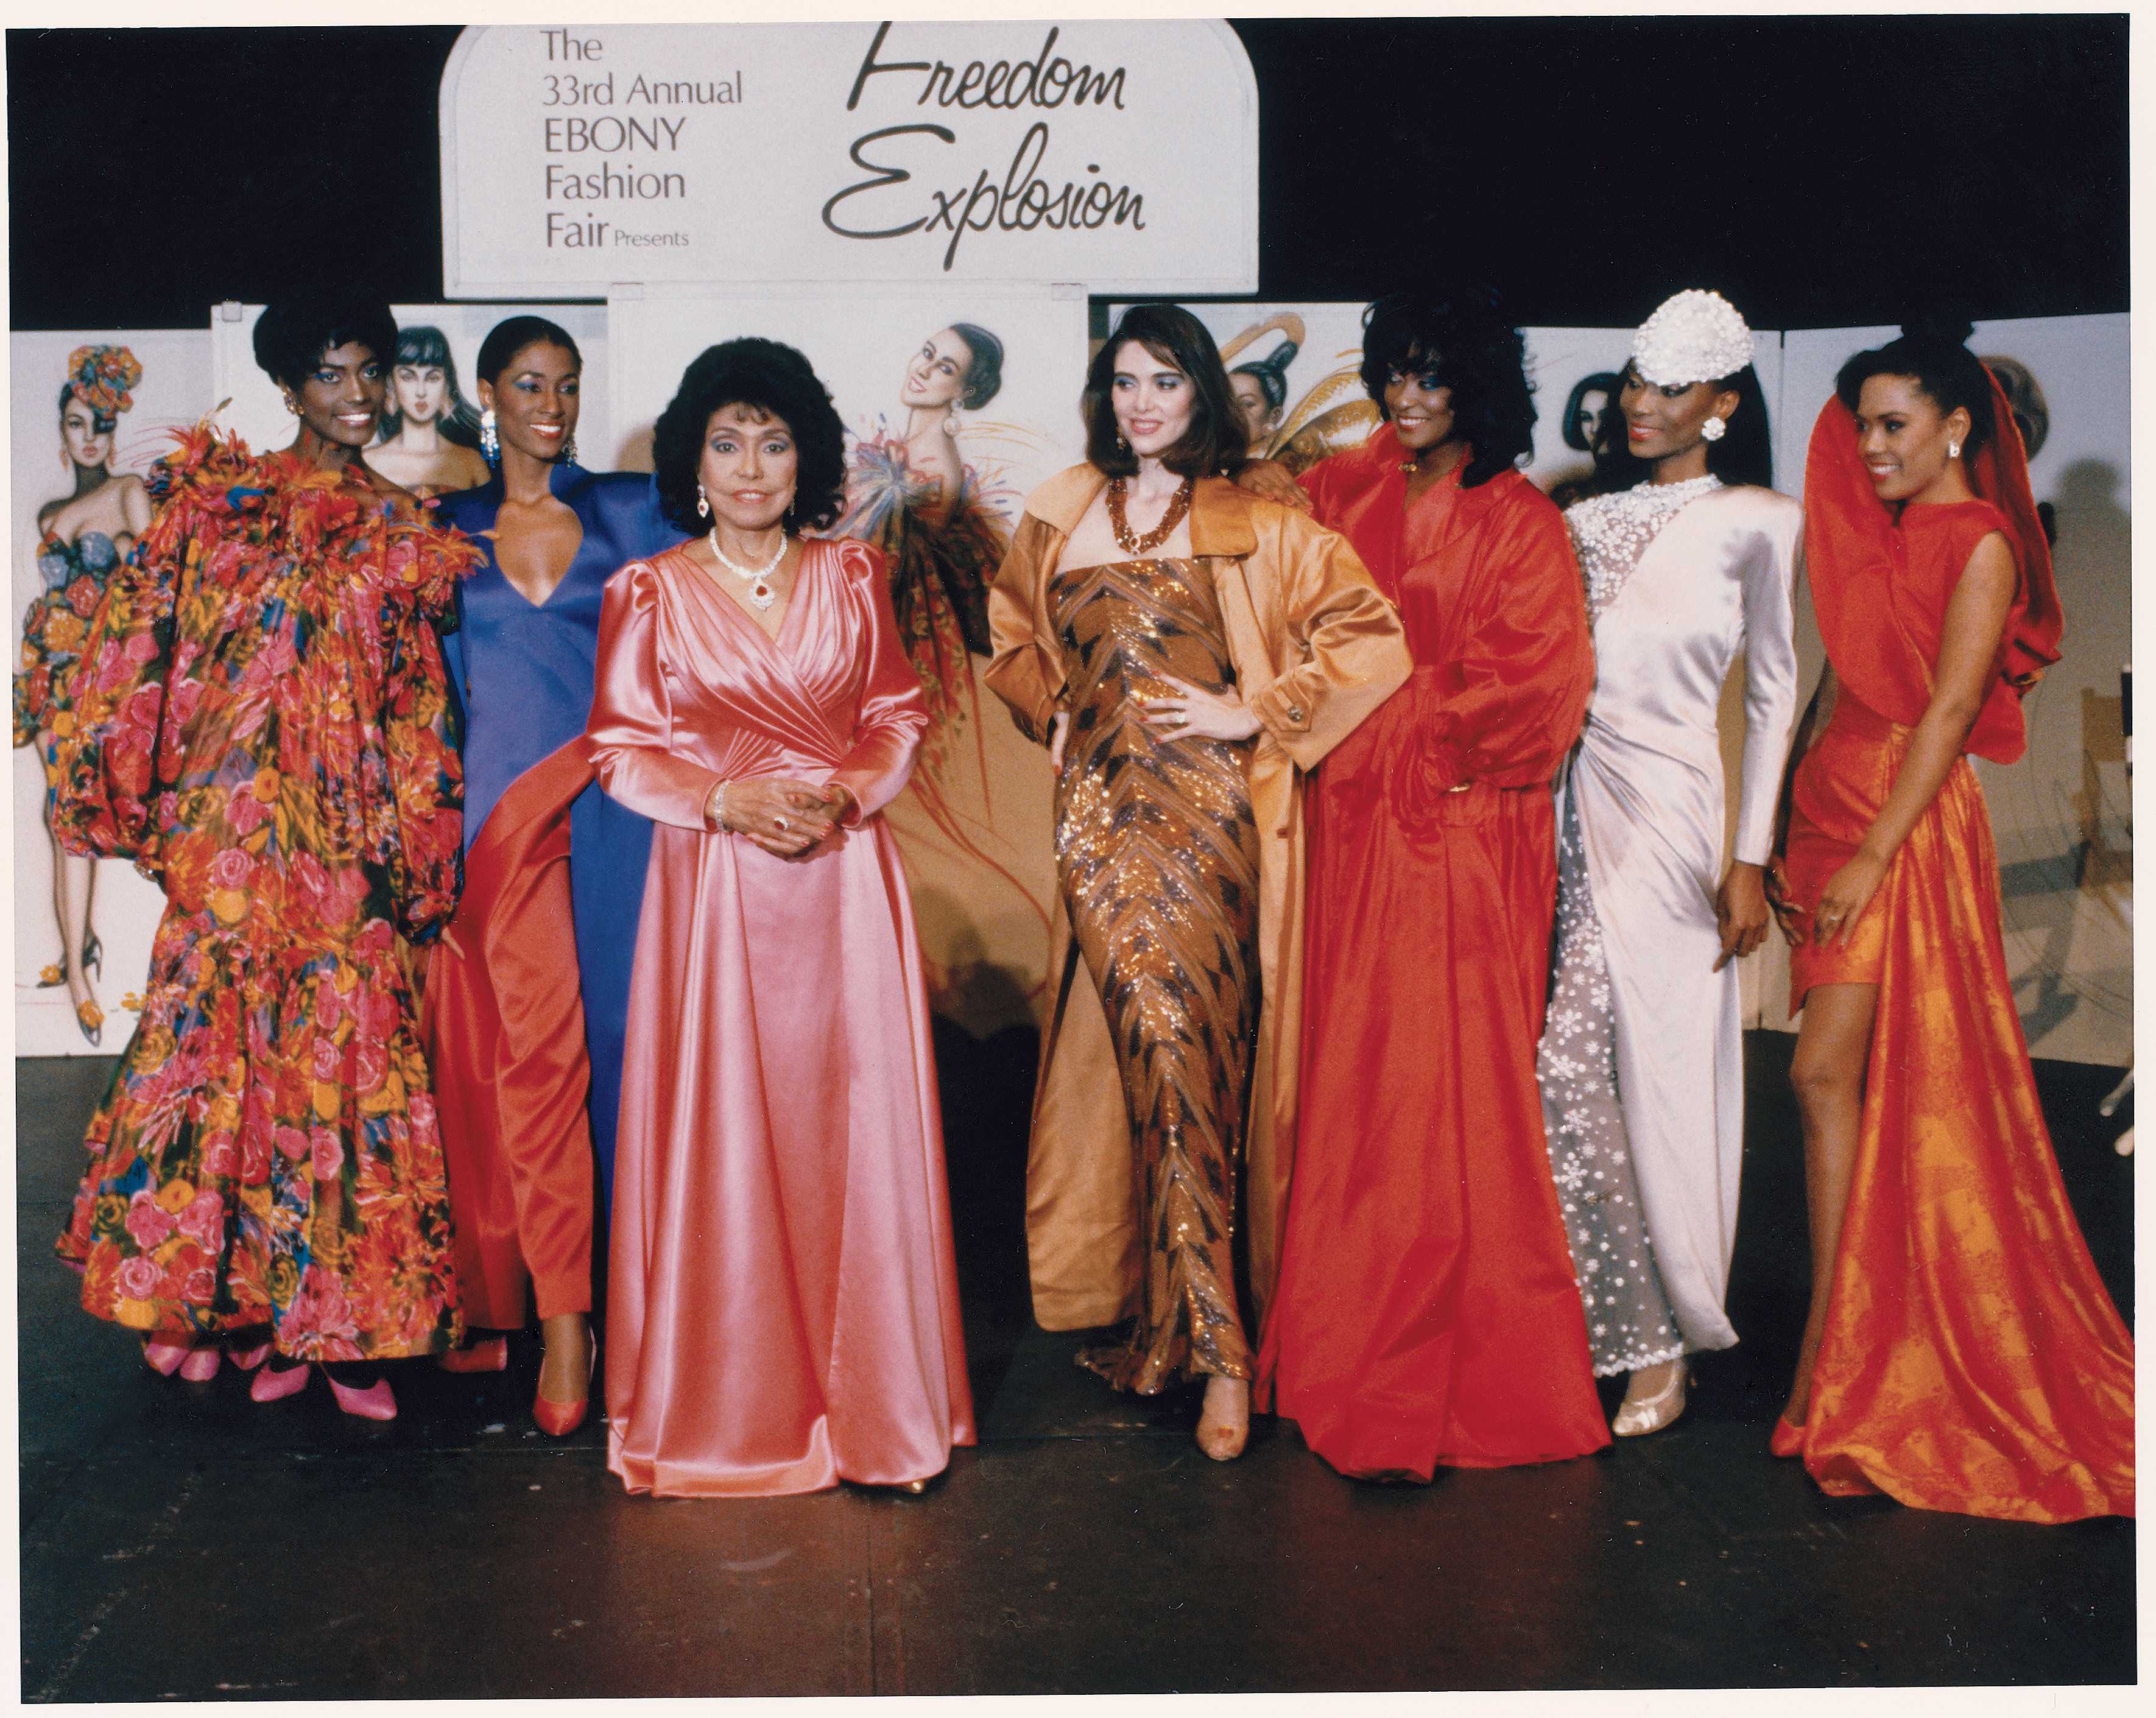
{"x": 80, "y": 539}
{"x": 259, "y": 720}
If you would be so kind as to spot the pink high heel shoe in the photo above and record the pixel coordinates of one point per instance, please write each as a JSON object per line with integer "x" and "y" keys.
{"x": 376, "y": 1402}
{"x": 164, "y": 1357}
{"x": 273, "y": 1383}
{"x": 200, "y": 1366}
{"x": 247, "y": 1359}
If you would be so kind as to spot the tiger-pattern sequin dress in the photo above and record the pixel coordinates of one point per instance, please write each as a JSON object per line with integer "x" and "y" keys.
{"x": 1157, "y": 856}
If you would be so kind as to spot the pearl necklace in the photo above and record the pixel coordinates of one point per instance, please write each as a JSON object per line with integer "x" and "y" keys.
{"x": 757, "y": 578}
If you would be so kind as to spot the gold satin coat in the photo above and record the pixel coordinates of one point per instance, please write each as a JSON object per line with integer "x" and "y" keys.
{"x": 1317, "y": 649}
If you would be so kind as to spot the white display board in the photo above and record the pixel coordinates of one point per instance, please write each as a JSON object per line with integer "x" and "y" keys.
{"x": 124, "y": 907}
{"x": 1121, "y": 154}
{"x": 254, "y": 406}
{"x": 975, "y": 826}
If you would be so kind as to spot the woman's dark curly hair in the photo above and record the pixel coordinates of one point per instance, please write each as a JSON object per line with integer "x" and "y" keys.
{"x": 1213, "y": 443}
{"x": 768, "y": 378}
{"x": 1934, "y": 354}
{"x": 291, "y": 335}
{"x": 1744, "y": 454}
{"x": 1464, "y": 339}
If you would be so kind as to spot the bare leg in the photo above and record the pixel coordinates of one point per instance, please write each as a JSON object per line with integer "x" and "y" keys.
{"x": 72, "y": 876}
{"x": 565, "y": 1374}
{"x": 1833, "y": 1045}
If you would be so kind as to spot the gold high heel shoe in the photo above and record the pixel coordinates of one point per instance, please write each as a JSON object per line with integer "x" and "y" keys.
{"x": 1636, "y": 1417}
{"x": 1223, "y": 1440}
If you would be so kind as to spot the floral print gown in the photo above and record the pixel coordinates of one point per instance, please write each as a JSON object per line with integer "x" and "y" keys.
{"x": 259, "y": 719}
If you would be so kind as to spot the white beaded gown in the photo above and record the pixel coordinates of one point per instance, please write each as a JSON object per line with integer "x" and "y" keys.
{"x": 1641, "y": 1062}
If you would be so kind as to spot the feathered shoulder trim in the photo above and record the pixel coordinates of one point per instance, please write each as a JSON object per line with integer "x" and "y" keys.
{"x": 213, "y": 485}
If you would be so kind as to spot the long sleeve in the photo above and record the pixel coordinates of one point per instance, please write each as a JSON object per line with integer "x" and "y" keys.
{"x": 894, "y": 711}
{"x": 1525, "y": 666}
{"x": 425, "y": 863}
{"x": 1343, "y": 638}
{"x": 1022, "y": 670}
{"x": 109, "y": 715}
{"x": 1770, "y": 682}
{"x": 631, "y": 722}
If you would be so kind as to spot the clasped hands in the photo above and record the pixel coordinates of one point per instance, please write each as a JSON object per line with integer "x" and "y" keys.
{"x": 783, "y": 818}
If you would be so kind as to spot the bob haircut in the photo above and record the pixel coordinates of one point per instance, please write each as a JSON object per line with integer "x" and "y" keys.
{"x": 766, "y": 378}
{"x": 1214, "y": 441}
{"x": 422, "y": 345}
{"x": 1465, "y": 340}
{"x": 1270, "y": 372}
{"x": 984, "y": 370}
{"x": 1601, "y": 382}
{"x": 509, "y": 337}
{"x": 291, "y": 335}
{"x": 1744, "y": 454}
{"x": 1935, "y": 356}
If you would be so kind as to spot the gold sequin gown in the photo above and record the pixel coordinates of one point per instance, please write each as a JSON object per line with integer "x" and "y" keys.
{"x": 1157, "y": 855}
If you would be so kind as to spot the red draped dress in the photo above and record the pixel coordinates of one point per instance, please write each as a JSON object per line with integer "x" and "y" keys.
{"x": 1972, "y": 1360}
{"x": 1426, "y": 1312}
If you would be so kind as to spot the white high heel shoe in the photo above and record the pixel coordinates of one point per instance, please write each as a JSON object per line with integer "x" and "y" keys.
{"x": 1635, "y": 1419}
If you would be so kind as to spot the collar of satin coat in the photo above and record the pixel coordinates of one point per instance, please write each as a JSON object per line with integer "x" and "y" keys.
{"x": 1219, "y": 512}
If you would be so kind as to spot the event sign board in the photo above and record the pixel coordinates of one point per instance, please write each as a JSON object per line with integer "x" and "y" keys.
{"x": 1116, "y": 154}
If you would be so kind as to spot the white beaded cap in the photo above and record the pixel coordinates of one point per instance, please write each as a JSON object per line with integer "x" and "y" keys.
{"x": 1695, "y": 337}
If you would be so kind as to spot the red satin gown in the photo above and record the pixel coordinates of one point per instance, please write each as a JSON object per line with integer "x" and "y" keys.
{"x": 783, "y": 1304}
{"x": 1972, "y": 1360}
{"x": 1426, "y": 1313}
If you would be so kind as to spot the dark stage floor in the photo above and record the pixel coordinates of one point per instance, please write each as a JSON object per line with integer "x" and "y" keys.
{"x": 178, "y": 1542}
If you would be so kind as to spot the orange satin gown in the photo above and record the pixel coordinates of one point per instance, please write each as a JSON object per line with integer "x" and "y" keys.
{"x": 1426, "y": 1313}
{"x": 1972, "y": 1360}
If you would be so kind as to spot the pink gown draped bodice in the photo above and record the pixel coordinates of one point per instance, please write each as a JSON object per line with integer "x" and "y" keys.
{"x": 783, "y": 1309}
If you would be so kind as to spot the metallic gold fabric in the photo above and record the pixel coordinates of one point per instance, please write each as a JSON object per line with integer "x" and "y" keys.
{"x": 1316, "y": 649}
{"x": 1158, "y": 859}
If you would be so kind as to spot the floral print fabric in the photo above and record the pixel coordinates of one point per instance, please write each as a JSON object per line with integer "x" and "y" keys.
{"x": 259, "y": 719}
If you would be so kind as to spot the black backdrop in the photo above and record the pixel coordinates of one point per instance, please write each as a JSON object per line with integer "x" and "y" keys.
{"x": 1821, "y": 172}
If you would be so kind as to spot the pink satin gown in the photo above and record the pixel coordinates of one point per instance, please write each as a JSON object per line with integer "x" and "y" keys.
{"x": 783, "y": 1307}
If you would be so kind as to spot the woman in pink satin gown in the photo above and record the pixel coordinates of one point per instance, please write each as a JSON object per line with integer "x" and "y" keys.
{"x": 782, "y": 1312}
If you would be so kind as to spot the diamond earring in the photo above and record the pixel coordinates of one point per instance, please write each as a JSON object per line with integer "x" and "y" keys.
{"x": 569, "y": 451}
{"x": 489, "y": 441}
{"x": 1713, "y": 429}
{"x": 1954, "y": 448}
{"x": 703, "y": 507}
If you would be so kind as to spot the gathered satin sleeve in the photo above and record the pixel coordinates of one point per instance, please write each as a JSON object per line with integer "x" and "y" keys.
{"x": 1345, "y": 646}
{"x": 631, "y": 728}
{"x": 1772, "y": 567}
{"x": 894, "y": 710}
{"x": 1024, "y": 670}
{"x": 1525, "y": 665}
